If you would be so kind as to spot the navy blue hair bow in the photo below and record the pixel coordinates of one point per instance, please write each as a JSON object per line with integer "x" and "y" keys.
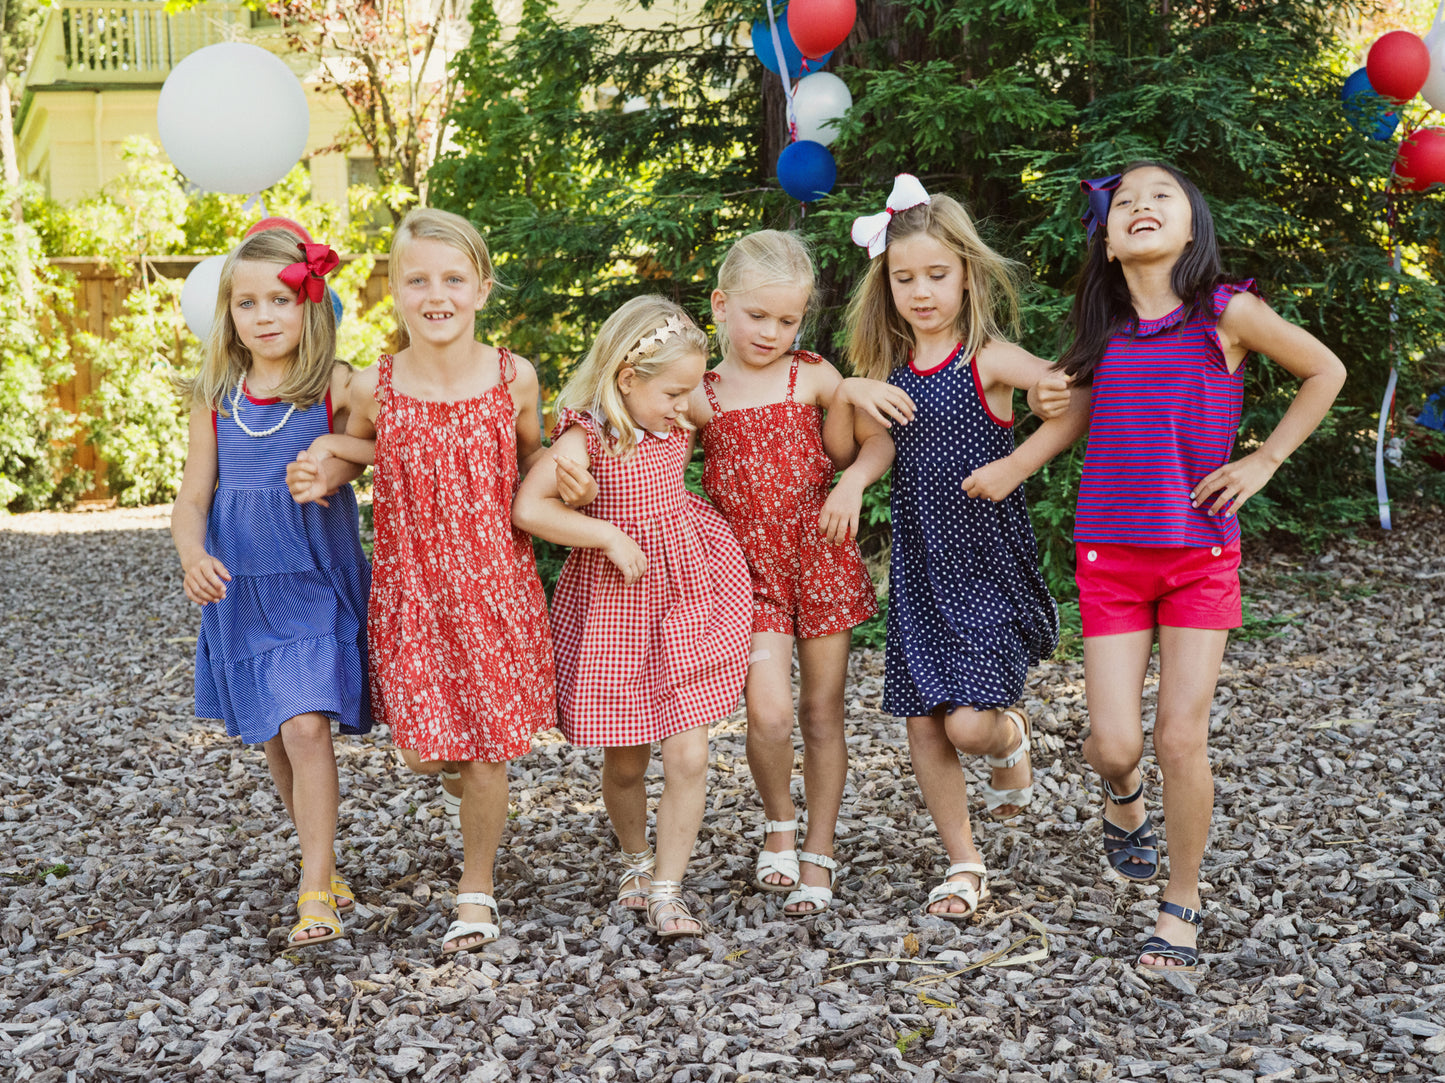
{"x": 1100, "y": 192}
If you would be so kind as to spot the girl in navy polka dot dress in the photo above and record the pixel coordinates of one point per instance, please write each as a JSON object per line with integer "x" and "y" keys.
{"x": 968, "y": 611}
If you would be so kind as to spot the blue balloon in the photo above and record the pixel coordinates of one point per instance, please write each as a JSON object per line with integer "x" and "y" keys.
{"x": 798, "y": 66}
{"x": 336, "y": 306}
{"x": 806, "y": 170}
{"x": 1368, "y": 113}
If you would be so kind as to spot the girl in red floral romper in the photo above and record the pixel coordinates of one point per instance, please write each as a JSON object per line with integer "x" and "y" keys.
{"x": 651, "y": 612}
{"x": 769, "y": 466}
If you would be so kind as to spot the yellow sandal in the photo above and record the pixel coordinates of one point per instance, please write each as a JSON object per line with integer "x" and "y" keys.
{"x": 307, "y": 922}
{"x": 345, "y": 898}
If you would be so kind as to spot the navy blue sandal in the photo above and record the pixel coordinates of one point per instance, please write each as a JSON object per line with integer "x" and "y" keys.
{"x": 1141, "y": 844}
{"x": 1157, "y": 946}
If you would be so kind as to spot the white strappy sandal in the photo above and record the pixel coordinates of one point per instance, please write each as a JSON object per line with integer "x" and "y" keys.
{"x": 959, "y": 889}
{"x": 452, "y": 802}
{"x": 1021, "y": 797}
{"x": 460, "y": 930}
{"x": 782, "y": 862}
{"x": 820, "y": 897}
{"x": 635, "y": 868}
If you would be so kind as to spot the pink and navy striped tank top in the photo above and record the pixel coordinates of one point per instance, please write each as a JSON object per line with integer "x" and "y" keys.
{"x": 1165, "y": 413}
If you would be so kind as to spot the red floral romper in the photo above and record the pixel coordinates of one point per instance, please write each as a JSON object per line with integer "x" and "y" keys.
{"x": 639, "y": 663}
{"x": 766, "y": 470}
{"x": 461, "y": 660}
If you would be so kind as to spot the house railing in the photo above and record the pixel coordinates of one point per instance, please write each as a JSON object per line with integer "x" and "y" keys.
{"x": 94, "y": 41}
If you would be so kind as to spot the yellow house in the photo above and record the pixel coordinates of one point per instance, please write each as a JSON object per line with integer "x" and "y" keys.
{"x": 97, "y": 76}
{"x": 99, "y": 66}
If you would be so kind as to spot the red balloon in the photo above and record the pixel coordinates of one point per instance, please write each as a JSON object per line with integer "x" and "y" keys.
{"x": 819, "y": 26}
{"x": 1421, "y": 160}
{"x": 281, "y": 223}
{"x": 1398, "y": 65}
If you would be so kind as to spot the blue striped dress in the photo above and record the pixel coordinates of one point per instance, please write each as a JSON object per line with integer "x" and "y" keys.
{"x": 290, "y": 635}
{"x": 1165, "y": 412}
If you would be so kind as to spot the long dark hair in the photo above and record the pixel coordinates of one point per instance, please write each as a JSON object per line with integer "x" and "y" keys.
{"x": 1102, "y": 304}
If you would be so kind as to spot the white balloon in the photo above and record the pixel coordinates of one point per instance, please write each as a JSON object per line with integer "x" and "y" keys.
{"x": 233, "y": 118}
{"x": 1434, "y": 89}
{"x": 819, "y": 101}
{"x": 198, "y": 295}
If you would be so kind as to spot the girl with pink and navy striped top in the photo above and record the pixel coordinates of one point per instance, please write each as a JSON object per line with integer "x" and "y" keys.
{"x": 1160, "y": 337}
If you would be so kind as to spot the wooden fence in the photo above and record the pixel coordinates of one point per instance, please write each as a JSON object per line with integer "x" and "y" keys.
{"x": 99, "y": 297}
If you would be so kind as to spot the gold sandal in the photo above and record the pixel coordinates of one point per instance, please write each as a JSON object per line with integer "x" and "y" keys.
{"x": 667, "y": 895}
{"x": 307, "y": 922}
{"x": 344, "y": 897}
{"x": 635, "y": 868}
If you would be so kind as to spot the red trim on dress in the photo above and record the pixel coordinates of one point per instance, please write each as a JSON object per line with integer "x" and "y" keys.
{"x": 329, "y": 418}
{"x": 978, "y": 383}
{"x": 938, "y": 367}
{"x": 255, "y": 401}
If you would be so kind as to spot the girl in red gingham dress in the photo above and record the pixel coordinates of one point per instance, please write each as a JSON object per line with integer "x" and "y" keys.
{"x": 651, "y": 614}
{"x": 769, "y": 468}
{"x": 461, "y": 660}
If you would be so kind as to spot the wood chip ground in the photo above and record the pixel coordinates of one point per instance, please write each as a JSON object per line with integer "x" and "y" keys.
{"x": 147, "y": 874}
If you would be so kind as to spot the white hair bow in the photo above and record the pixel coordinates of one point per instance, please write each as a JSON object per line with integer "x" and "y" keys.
{"x": 871, "y": 230}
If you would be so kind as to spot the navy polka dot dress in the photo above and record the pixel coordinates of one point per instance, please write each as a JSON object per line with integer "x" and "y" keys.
{"x": 968, "y": 611}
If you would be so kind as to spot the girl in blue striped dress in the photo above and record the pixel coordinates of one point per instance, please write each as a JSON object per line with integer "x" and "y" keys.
{"x": 283, "y": 586}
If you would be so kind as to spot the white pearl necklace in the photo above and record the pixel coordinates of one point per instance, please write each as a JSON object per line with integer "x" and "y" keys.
{"x": 236, "y": 412}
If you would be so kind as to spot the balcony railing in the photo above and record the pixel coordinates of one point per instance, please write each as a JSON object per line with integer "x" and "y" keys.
{"x": 94, "y": 41}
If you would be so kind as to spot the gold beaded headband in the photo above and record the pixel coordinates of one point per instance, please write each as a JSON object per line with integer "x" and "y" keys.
{"x": 651, "y": 342}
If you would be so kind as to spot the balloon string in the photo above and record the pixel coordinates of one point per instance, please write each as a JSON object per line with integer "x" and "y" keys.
{"x": 1382, "y": 493}
{"x": 792, "y": 116}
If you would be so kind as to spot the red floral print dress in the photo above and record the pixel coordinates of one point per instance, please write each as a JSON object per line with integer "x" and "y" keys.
{"x": 639, "y": 663}
{"x": 461, "y": 661}
{"x": 766, "y": 470}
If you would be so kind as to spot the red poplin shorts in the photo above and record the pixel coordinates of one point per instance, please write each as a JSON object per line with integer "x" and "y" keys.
{"x": 1131, "y": 588}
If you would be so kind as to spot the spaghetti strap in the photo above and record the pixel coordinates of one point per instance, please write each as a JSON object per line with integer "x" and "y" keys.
{"x": 792, "y": 376}
{"x": 707, "y": 381}
{"x": 507, "y": 365}
{"x": 383, "y": 379}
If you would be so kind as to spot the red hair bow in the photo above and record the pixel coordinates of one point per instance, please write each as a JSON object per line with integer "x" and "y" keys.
{"x": 307, "y": 276}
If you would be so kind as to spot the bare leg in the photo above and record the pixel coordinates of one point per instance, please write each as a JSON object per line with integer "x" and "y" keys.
{"x": 679, "y": 812}
{"x": 769, "y": 697}
{"x": 302, "y": 756}
{"x": 1189, "y": 660}
{"x": 823, "y": 669}
{"x": 624, "y": 794}
{"x": 1114, "y": 668}
{"x": 484, "y": 814}
{"x": 945, "y": 792}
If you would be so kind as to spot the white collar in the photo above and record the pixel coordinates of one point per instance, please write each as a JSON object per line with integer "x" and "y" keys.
{"x": 612, "y": 429}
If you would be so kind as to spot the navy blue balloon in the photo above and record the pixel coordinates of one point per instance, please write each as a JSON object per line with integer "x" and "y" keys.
{"x": 806, "y": 170}
{"x": 797, "y": 65}
{"x": 1368, "y": 113}
{"x": 336, "y": 307}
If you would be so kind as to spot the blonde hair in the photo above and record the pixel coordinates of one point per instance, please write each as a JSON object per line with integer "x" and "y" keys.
{"x": 429, "y": 224}
{"x": 769, "y": 257}
{"x": 630, "y": 339}
{"x": 879, "y": 338}
{"x": 225, "y": 358}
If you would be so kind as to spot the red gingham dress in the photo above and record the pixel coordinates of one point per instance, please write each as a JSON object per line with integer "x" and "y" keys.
{"x": 639, "y": 663}
{"x": 461, "y": 662}
{"x": 766, "y": 470}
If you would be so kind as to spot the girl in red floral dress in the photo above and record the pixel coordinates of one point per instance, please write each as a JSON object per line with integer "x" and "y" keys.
{"x": 769, "y": 468}
{"x": 461, "y": 660}
{"x": 651, "y": 613}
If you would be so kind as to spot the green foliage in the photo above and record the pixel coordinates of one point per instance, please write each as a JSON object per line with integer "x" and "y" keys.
{"x": 137, "y": 423}
{"x": 590, "y": 196}
{"x": 35, "y": 434}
